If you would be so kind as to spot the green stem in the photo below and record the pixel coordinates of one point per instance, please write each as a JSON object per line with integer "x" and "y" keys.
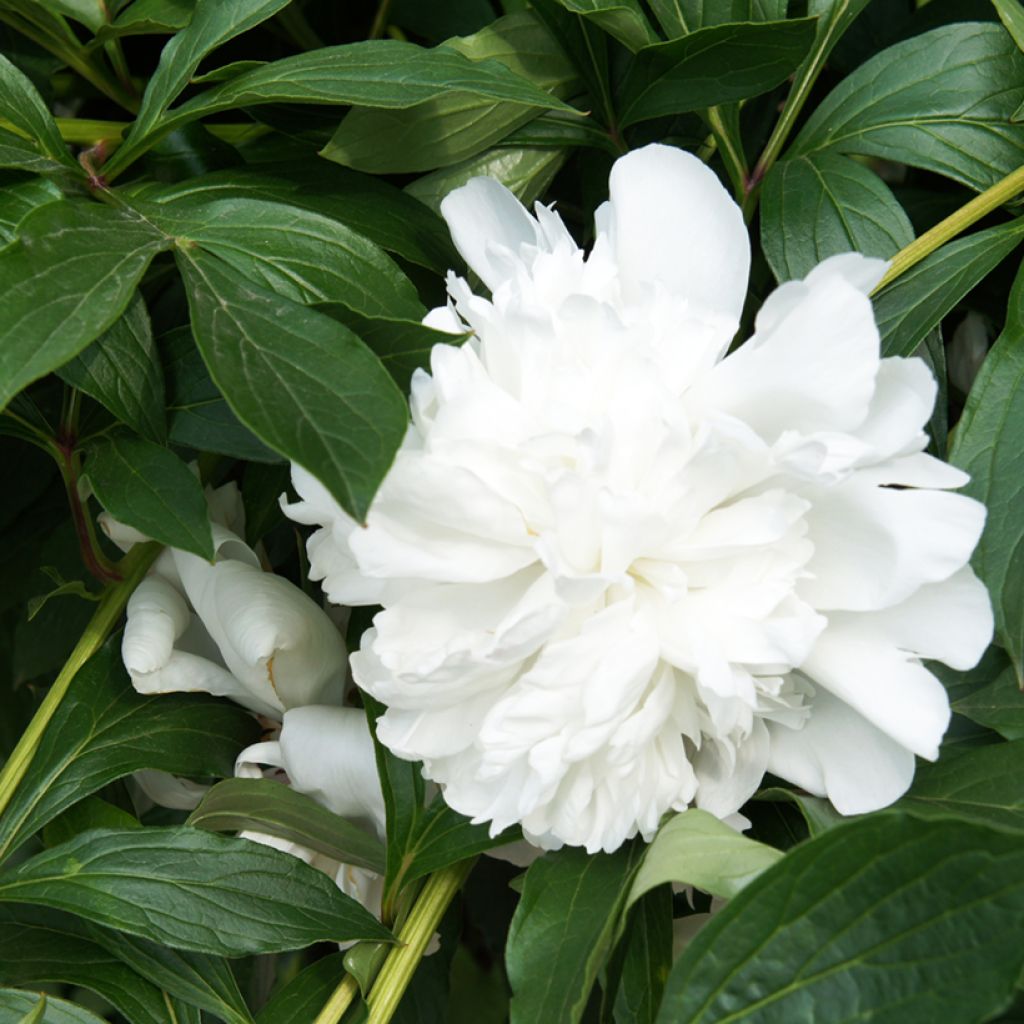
{"x": 956, "y": 223}
{"x": 421, "y": 923}
{"x": 733, "y": 157}
{"x": 340, "y": 1000}
{"x": 380, "y": 20}
{"x": 132, "y": 567}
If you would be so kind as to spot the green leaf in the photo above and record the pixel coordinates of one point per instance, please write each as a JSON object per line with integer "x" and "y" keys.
{"x": 334, "y": 411}
{"x": 1012, "y": 16}
{"x": 199, "y": 416}
{"x": 199, "y": 980}
{"x": 313, "y": 259}
{"x": 121, "y": 370}
{"x": 91, "y": 13}
{"x": 916, "y": 301}
{"x": 68, "y": 278}
{"x": 678, "y": 17}
{"x": 192, "y": 890}
{"x": 19, "y": 196}
{"x": 999, "y": 705}
{"x": 646, "y": 958}
{"x": 375, "y": 73}
{"x": 304, "y": 996}
{"x": 623, "y": 19}
{"x": 940, "y": 101}
{"x": 39, "y": 946}
{"x": 814, "y": 207}
{"x": 369, "y": 206}
{"x": 64, "y": 588}
{"x": 697, "y": 849}
{"x": 148, "y": 487}
{"x": 886, "y": 918}
{"x": 988, "y": 444}
{"x": 24, "y": 108}
{"x": 267, "y": 806}
{"x": 213, "y": 23}
{"x": 524, "y": 171}
{"x": 148, "y": 17}
{"x": 563, "y": 930}
{"x": 714, "y": 65}
{"x": 20, "y": 153}
{"x": 92, "y": 812}
{"x": 819, "y": 814}
{"x": 103, "y": 731}
{"x": 982, "y": 785}
{"x": 456, "y": 126}
{"x": 18, "y": 1007}
{"x": 403, "y": 346}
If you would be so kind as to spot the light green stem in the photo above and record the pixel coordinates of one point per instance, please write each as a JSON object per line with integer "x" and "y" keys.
{"x": 422, "y": 922}
{"x": 132, "y": 567}
{"x": 956, "y": 223}
{"x": 341, "y": 998}
{"x": 732, "y": 154}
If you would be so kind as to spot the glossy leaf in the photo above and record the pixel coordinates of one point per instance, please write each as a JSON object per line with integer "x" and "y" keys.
{"x": 917, "y": 300}
{"x": 714, "y": 65}
{"x": 103, "y": 731}
{"x": 563, "y": 930}
{"x": 148, "y": 17}
{"x": 456, "y": 126}
{"x": 678, "y": 17}
{"x": 149, "y": 488}
{"x": 999, "y": 705}
{"x": 121, "y": 370}
{"x": 193, "y": 890}
{"x": 19, "y": 196}
{"x": 68, "y": 278}
{"x": 814, "y": 207}
{"x": 623, "y": 19}
{"x": 887, "y": 918}
{"x": 313, "y": 259}
{"x": 989, "y": 444}
{"x": 335, "y": 410}
{"x": 24, "y": 108}
{"x": 20, "y": 153}
{"x": 697, "y": 849}
{"x": 940, "y": 101}
{"x": 267, "y": 806}
{"x": 20, "y": 1007}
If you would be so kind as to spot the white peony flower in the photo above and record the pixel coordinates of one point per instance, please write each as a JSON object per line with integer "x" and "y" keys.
{"x": 624, "y": 572}
{"x": 229, "y": 628}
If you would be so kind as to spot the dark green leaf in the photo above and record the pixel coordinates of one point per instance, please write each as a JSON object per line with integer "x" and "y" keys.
{"x": 916, "y": 301}
{"x": 375, "y": 73}
{"x": 819, "y": 814}
{"x": 456, "y": 126}
{"x": 714, "y": 65}
{"x": 200, "y": 418}
{"x": 814, "y": 207}
{"x": 18, "y": 152}
{"x": 887, "y": 918}
{"x": 148, "y": 487}
{"x": 563, "y": 930}
{"x": 940, "y": 101}
{"x": 197, "y": 979}
{"x": 103, "y": 731}
{"x": 982, "y": 785}
{"x": 92, "y": 812}
{"x": 67, "y": 279}
{"x": 313, "y": 258}
{"x": 148, "y": 17}
{"x": 369, "y": 206}
{"x": 988, "y": 444}
{"x": 121, "y": 370}
{"x": 304, "y": 996}
{"x": 18, "y": 1007}
{"x": 999, "y": 705}
{"x": 623, "y": 19}
{"x": 334, "y": 410}
{"x": 678, "y": 17}
{"x": 39, "y": 946}
{"x": 192, "y": 890}
{"x": 646, "y": 959}
{"x": 267, "y": 806}
{"x": 19, "y": 196}
{"x": 24, "y": 108}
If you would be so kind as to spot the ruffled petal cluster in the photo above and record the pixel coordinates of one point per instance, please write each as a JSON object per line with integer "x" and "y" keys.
{"x": 624, "y": 570}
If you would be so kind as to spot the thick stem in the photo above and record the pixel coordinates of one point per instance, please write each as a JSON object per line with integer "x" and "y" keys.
{"x": 341, "y": 998}
{"x": 402, "y": 961}
{"x": 956, "y": 223}
{"x": 132, "y": 568}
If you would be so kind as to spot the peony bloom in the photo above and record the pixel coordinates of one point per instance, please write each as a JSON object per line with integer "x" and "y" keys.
{"x": 624, "y": 571}
{"x": 227, "y": 627}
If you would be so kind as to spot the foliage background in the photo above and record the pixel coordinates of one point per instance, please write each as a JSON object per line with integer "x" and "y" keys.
{"x": 218, "y": 233}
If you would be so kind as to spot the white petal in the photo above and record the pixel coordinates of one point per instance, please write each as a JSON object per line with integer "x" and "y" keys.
{"x": 840, "y": 755}
{"x": 489, "y": 226}
{"x": 903, "y": 400}
{"x": 168, "y": 790}
{"x": 672, "y": 222}
{"x": 156, "y": 616}
{"x": 727, "y": 780}
{"x": 890, "y": 688}
{"x": 858, "y": 271}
